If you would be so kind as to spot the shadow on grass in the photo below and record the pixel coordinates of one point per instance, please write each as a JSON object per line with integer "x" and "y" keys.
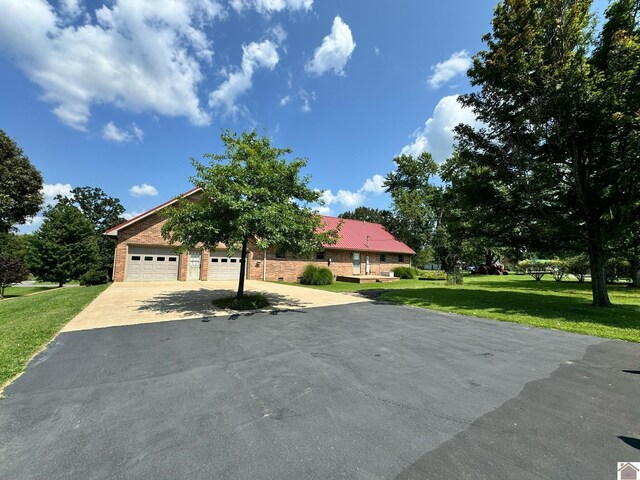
{"x": 198, "y": 302}
{"x": 506, "y": 304}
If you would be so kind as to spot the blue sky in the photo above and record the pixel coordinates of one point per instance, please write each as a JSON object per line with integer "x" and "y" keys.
{"x": 120, "y": 94}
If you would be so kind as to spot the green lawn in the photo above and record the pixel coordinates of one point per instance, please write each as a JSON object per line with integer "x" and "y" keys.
{"x": 11, "y": 292}
{"x": 562, "y": 305}
{"x": 27, "y": 323}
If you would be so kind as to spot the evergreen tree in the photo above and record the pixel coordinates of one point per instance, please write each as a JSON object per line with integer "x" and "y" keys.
{"x": 65, "y": 245}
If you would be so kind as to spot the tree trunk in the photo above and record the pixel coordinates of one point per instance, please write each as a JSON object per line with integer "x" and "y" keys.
{"x": 243, "y": 262}
{"x": 635, "y": 272}
{"x": 60, "y": 284}
{"x": 597, "y": 261}
{"x": 1, "y": 291}
{"x": 490, "y": 258}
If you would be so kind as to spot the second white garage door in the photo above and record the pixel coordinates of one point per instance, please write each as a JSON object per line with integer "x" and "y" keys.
{"x": 222, "y": 267}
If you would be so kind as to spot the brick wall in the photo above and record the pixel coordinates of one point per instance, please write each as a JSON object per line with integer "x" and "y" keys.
{"x": 290, "y": 268}
{"x": 148, "y": 232}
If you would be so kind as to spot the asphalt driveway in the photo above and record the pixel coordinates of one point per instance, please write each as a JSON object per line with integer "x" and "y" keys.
{"x": 360, "y": 391}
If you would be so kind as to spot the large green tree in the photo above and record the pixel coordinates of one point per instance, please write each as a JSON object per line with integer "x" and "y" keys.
{"x": 65, "y": 245}
{"x": 248, "y": 192}
{"x": 20, "y": 185}
{"x": 555, "y": 164}
{"x": 414, "y": 199}
{"x": 104, "y": 212}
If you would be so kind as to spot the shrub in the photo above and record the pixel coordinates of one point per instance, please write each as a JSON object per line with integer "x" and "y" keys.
{"x": 578, "y": 266}
{"x": 313, "y": 275}
{"x": 247, "y": 302}
{"x": 432, "y": 274}
{"x": 94, "y": 277}
{"x": 406, "y": 273}
{"x": 617, "y": 268}
{"x": 558, "y": 269}
{"x": 536, "y": 268}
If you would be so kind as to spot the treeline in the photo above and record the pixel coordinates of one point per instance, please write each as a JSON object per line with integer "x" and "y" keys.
{"x": 69, "y": 244}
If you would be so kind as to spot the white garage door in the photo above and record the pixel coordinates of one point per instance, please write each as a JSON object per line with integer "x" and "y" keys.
{"x": 152, "y": 263}
{"x": 222, "y": 267}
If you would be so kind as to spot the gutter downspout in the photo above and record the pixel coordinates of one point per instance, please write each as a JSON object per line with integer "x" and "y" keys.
{"x": 264, "y": 266}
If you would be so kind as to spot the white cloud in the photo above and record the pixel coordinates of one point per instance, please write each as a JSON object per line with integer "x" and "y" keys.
{"x": 70, "y": 8}
{"x": 457, "y": 64}
{"x": 278, "y": 33}
{"x": 335, "y": 50}
{"x": 143, "y": 190}
{"x": 255, "y": 55}
{"x": 130, "y": 215}
{"x": 374, "y": 185}
{"x": 349, "y": 200}
{"x": 322, "y": 210}
{"x": 343, "y": 197}
{"x": 50, "y": 191}
{"x": 34, "y": 221}
{"x": 285, "y": 100}
{"x": 113, "y": 133}
{"x": 135, "y": 55}
{"x": 437, "y": 135}
{"x": 307, "y": 98}
{"x": 270, "y": 6}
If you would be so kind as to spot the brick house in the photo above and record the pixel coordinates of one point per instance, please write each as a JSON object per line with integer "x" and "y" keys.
{"x": 143, "y": 255}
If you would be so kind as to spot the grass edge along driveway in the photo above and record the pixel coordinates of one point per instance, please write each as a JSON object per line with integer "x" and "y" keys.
{"x": 28, "y": 323}
{"x": 564, "y": 305}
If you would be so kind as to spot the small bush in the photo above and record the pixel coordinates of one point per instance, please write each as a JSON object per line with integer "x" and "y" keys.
{"x": 406, "y": 273}
{"x": 578, "y": 266}
{"x": 617, "y": 268}
{"x": 313, "y": 275}
{"x": 247, "y": 302}
{"x": 94, "y": 277}
{"x": 432, "y": 274}
{"x": 558, "y": 269}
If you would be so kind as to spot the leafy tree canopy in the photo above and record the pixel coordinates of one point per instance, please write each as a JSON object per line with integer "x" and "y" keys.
{"x": 104, "y": 212}
{"x": 555, "y": 164}
{"x": 20, "y": 185}
{"x": 12, "y": 270}
{"x": 249, "y": 192}
{"x": 65, "y": 245}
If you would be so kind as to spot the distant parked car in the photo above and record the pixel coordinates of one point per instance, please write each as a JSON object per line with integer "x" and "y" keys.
{"x": 493, "y": 269}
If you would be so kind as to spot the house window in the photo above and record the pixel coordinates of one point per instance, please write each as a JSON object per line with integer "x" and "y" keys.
{"x": 281, "y": 254}
{"x": 383, "y": 257}
{"x": 319, "y": 255}
{"x": 173, "y": 259}
{"x": 135, "y": 257}
{"x": 400, "y": 258}
{"x": 148, "y": 259}
{"x": 214, "y": 260}
{"x": 160, "y": 259}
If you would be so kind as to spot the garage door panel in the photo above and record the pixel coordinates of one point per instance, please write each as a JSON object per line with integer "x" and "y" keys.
{"x": 222, "y": 267}
{"x": 147, "y": 264}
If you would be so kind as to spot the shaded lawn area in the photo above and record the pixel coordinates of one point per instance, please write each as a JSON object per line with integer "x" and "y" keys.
{"x": 562, "y": 305}
{"x": 28, "y": 323}
{"x": 11, "y": 292}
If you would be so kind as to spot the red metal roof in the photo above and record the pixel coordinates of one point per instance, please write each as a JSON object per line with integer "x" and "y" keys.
{"x": 360, "y": 236}
{"x": 355, "y": 235}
